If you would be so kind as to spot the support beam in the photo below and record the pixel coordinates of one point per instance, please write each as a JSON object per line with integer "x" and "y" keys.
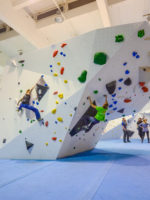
{"x": 103, "y": 10}
{"x": 19, "y": 4}
{"x": 22, "y": 23}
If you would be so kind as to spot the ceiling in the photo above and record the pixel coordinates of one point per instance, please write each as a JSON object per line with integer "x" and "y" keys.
{"x": 33, "y": 22}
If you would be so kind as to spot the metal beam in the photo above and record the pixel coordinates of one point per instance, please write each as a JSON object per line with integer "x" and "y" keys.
{"x": 103, "y": 10}
{"x": 22, "y": 23}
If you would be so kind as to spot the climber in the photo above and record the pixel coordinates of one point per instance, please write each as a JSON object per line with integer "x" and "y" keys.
{"x": 125, "y": 130}
{"x": 24, "y": 102}
{"x": 144, "y": 125}
{"x": 100, "y": 115}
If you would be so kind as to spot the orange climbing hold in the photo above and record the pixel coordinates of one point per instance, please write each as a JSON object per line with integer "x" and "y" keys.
{"x": 56, "y": 92}
{"x": 54, "y": 138}
{"x": 62, "y": 70}
{"x": 141, "y": 84}
{"x": 46, "y": 123}
{"x": 42, "y": 111}
{"x": 63, "y": 45}
{"x": 145, "y": 89}
{"x": 55, "y": 53}
{"x": 127, "y": 100}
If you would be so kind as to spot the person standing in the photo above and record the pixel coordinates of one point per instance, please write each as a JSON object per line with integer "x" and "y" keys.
{"x": 139, "y": 128}
{"x": 144, "y": 125}
{"x": 125, "y": 131}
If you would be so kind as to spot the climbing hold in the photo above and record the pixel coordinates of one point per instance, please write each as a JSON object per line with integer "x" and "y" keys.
{"x": 46, "y": 123}
{"x": 61, "y": 53}
{"x": 20, "y": 131}
{"x": 54, "y": 132}
{"x": 46, "y": 143}
{"x": 115, "y": 102}
{"x": 82, "y": 77}
{"x": 56, "y": 92}
{"x": 55, "y": 74}
{"x": 60, "y": 140}
{"x": 95, "y": 91}
{"x": 99, "y": 79}
{"x": 63, "y": 45}
{"x": 57, "y": 102}
{"x": 37, "y": 103}
{"x": 113, "y": 95}
{"x": 53, "y": 111}
{"x": 145, "y": 89}
{"x": 61, "y": 96}
{"x": 18, "y": 83}
{"x": 110, "y": 106}
{"x": 55, "y": 53}
{"x": 111, "y": 87}
{"x": 114, "y": 108}
{"x": 64, "y": 54}
{"x": 127, "y": 71}
{"x": 51, "y": 70}
{"x": 137, "y": 56}
{"x": 33, "y": 102}
{"x": 125, "y": 63}
{"x": 119, "y": 88}
{"x": 62, "y": 70}
{"x": 121, "y": 110}
{"x": 54, "y": 138}
{"x": 29, "y": 146}
{"x": 60, "y": 119}
{"x": 75, "y": 108}
{"x": 42, "y": 111}
{"x": 119, "y": 38}
{"x": 4, "y": 140}
{"x": 128, "y": 82}
{"x": 141, "y": 33}
{"x": 120, "y": 80}
{"x": 70, "y": 115}
{"x": 141, "y": 84}
{"x": 100, "y": 58}
{"x": 127, "y": 100}
{"x": 134, "y": 53}
{"x": 21, "y": 91}
{"x": 58, "y": 63}
{"x": 51, "y": 66}
{"x": 65, "y": 81}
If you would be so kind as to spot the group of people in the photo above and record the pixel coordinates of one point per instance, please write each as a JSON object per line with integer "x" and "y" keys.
{"x": 142, "y": 127}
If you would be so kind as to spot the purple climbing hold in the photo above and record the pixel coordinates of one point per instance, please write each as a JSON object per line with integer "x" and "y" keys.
{"x": 127, "y": 71}
{"x": 134, "y": 53}
{"x": 120, "y": 80}
{"x": 125, "y": 63}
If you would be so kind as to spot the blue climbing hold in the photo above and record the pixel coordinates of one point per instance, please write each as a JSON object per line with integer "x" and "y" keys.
{"x": 119, "y": 88}
{"x": 113, "y": 95}
{"x": 33, "y": 102}
{"x": 45, "y": 85}
{"x": 51, "y": 70}
{"x": 65, "y": 103}
{"x": 125, "y": 63}
{"x": 115, "y": 102}
{"x": 134, "y": 53}
{"x": 51, "y": 65}
{"x": 120, "y": 80}
{"x": 61, "y": 53}
{"x": 108, "y": 113}
{"x": 42, "y": 76}
{"x": 37, "y": 103}
{"x": 127, "y": 71}
{"x": 64, "y": 55}
{"x": 56, "y": 122}
{"x": 114, "y": 108}
{"x": 28, "y": 119}
{"x": 110, "y": 106}
{"x": 137, "y": 56}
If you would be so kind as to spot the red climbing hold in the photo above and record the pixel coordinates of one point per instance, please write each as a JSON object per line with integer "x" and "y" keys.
{"x": 54, "y": 138}
{"x": 127, "y": 100}
{"x": 42, "y": 111}
{"x": 63, "y": 45}
{"x": 56, "y": 92}
{"x": 62, "y": 70}
{"x": 55, "y": 53}
{"x": 145, "y": 89}
{"x": 46, "y": 123}
{"x": 141, "y": 84}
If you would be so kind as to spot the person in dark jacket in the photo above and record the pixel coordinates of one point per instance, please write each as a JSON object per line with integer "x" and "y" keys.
{"x": 144, "y": 125}
{"x": 125, "y": 131}
{"x": 139, "y": 128}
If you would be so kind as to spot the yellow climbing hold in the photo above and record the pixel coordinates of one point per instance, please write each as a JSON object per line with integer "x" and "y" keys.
{"x": 54, "y": 132}
{"x": 53, "y": 111}
{"x": 65, "y": 81}
{"x": 46, "y": 143}
{"x": 60, "y": 119}
{"x": 61, "y": 96}
{"x": 58, "y": 63}
{"x": 55, "y": 74}
{"x": 60, "y": 140}
{"x": 70, "y": 115}
{"x": 57, "y": 102}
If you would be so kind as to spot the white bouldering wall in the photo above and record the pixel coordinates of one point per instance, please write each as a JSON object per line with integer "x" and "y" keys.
{"x": 24, "y": 138}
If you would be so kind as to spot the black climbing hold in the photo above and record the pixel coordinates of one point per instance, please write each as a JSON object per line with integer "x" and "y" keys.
{"x": 128, "y": 82}
{"x": 4, "y": 140}
{"x": 121, "y": 110}
{"x": 29, "y": 146}
{"x": 21, "y": 61}
{"x": 75, "y": 108}
{"x": 111, "y": 87}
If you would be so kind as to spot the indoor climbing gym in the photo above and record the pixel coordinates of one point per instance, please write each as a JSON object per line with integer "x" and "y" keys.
{"x": 74, "y": 99}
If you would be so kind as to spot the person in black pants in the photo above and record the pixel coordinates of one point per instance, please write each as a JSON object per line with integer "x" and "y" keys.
{"x": 125, "y": 131}
{"x": 139, "y": 128}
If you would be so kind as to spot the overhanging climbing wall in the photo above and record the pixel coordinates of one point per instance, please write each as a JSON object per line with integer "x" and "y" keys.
{"x": 65, "y": 68}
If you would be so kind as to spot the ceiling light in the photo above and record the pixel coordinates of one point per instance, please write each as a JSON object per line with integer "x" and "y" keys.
{"x": 59, "y": 18}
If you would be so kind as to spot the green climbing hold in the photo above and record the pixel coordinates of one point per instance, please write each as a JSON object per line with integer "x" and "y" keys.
{"x": 20, "y": 131}
{"x": 141, "y": 33}
{"x": 22, "y": 65}
{"x": 123, "y": 115}
{"x": 119, "y": 38}
{"x": 95, "y": 91}
{"x": 21, "y": 91}
{"x": 82, "y": 77}
{"x": 100, "y": 58}
{"x": 99, "y": 79}
{"x": 84, "y": 104}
